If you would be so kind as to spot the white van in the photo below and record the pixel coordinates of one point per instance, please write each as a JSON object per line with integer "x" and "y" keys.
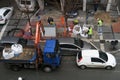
{"x": 26, "y": 5}
{"x": 95, "y": 59}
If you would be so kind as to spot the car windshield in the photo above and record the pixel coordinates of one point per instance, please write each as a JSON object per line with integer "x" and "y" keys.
{"x": 103, "y": 56}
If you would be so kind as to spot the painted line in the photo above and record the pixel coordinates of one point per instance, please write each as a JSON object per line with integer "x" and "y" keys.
{"x": 3, "y": 29}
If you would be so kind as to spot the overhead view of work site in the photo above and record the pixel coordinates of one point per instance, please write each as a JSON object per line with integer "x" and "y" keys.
{"x": 59, "y": 39}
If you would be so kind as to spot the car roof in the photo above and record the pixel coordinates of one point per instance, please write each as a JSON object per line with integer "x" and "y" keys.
{"x": 66, "y": 40}
{"x": 90, "y": 53}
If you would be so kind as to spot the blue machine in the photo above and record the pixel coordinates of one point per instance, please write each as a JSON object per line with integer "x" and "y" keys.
{"x": 51, "y": 53}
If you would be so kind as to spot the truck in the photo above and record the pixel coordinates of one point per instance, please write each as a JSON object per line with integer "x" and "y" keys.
{"x": 17, "y": 53}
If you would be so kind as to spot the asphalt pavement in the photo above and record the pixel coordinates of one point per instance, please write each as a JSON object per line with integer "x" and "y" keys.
{"x": 68, "y": 69}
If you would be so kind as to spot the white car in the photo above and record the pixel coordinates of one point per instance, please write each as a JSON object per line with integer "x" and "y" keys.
{"x": 95, "y": 59}
{"x": 5, "y": 14}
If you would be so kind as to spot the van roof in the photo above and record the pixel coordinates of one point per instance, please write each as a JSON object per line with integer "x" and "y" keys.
{"x": 90, "y": 53}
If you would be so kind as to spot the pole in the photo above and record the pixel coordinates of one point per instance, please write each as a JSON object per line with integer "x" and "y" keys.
{"x": 84, "y": 5}
{"x": 108, "y": 5}
{"x": 28, "y": 18}
{"x": 62, "y": 5}
{"x": 37, "y": 40}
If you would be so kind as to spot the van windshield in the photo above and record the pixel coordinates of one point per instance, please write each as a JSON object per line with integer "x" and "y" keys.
{"x": 103, "y": 56}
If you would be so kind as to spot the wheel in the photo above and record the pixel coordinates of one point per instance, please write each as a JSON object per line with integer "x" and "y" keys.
{"x": 108, "y": 67}
{"x": 83, "y": 67}
{"x": 15, "y": 68}
{"x": 47, "y": 69}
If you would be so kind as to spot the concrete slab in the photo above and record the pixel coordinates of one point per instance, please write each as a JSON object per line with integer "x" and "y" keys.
{"x": 117, "y": 35}
{"x": 23, "y": 22}
{"x": 9, "y": 28}
{"x": 108, "y": 46}
{"x": 13, "y": 22}
{"x": 5, "y": 34}
{"x": 107, "y": 36}
{"x": 106, "y": 29}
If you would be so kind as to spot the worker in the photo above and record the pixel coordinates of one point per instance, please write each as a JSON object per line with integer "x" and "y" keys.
{"x": 96, "y": 3}
{"x": 50, "y": 21}
{"x": 75, "y": 22}
{"x": 42, "y": 27}
{"x": 90, "y": 32}
{"x": 100, "y": 24}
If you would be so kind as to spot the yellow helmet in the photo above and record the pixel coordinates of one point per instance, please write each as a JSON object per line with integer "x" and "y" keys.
{"x": 76, "y": 21}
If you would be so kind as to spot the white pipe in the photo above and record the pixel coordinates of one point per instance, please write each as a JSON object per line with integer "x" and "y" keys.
{"x": 62, "y": 5}
{"x": 84, "y": 5}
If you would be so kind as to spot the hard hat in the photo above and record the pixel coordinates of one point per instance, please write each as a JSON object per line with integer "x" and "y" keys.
{"x": 20, "y": 78}
{"x": 98, "y": 18}
{"x": 76, "y": 21}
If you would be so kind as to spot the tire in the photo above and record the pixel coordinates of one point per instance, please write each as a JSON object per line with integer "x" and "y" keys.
{"x": 15, "y": 68}
{"x": 108, "y": 67}
{"x": 47, "y": 69}
{"x": 82, "y": 67}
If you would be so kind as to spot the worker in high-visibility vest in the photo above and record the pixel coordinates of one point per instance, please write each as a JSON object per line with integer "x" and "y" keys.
{"x": 90, "y": 32}
{"x": 50, "y": 21}
{"x": 100, "y": 25}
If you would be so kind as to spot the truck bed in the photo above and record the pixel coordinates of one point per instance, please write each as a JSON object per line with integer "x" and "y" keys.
{"x": 27, "y": 56}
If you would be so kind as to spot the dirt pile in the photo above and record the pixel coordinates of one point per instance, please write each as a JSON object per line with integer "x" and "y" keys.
{"x": 104, "y": 16}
